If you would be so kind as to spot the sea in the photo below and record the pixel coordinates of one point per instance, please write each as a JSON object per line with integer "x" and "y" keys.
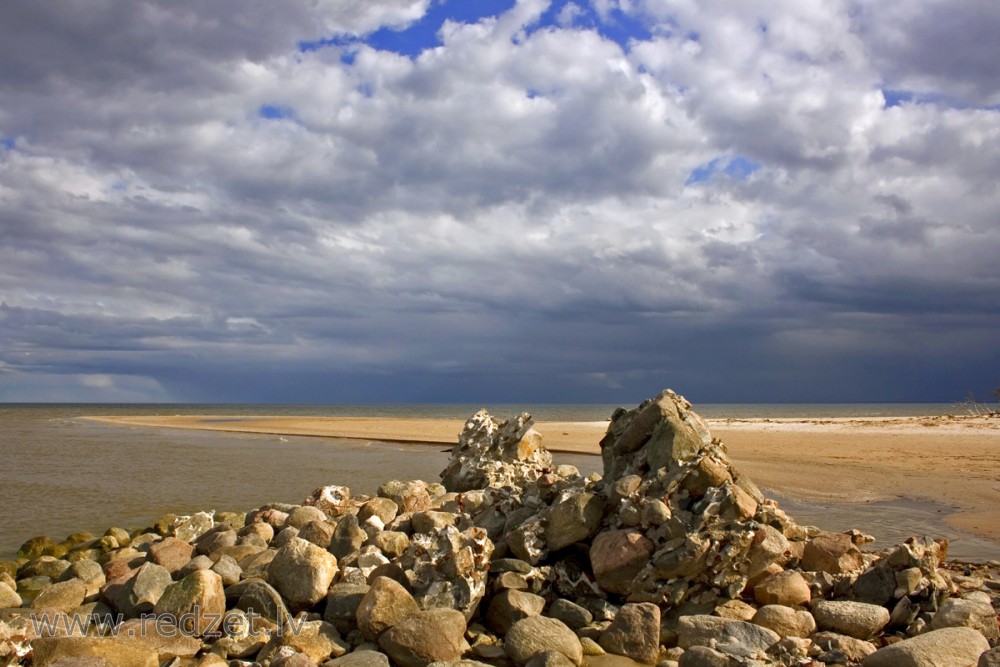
{"x": 61, "y": 474}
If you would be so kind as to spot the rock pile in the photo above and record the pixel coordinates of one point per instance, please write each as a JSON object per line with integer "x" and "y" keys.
{"x": 671, "y": 558}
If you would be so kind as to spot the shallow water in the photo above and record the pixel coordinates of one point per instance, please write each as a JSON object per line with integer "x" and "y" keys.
{"x": 59, "y": 474}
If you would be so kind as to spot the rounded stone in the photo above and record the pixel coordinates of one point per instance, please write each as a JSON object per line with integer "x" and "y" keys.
{"x": 854, "y": 619}
{"x": 784, "y": 588}
{"x": 786, "y": 621}
{"x": 425, "y": 637}
{"x": 385, "y": 604}
{"x": 537, "y": 634}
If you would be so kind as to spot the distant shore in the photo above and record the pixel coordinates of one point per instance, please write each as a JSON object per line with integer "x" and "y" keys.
{"x": 953, "y": 461}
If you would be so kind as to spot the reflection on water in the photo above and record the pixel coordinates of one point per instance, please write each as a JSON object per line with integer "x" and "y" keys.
{"x": 62, "y": 475}
{"x": 890, "y": 522}
{"x": 59, "y": 475}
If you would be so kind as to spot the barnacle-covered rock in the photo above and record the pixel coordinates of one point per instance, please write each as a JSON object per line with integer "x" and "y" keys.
{"x": 497, "y": 454}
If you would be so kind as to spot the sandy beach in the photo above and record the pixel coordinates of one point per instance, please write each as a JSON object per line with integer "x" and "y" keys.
{"x": 954, "y": 461}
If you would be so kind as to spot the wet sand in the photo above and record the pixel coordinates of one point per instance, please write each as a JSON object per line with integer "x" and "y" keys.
{"x": 951, "y": 461}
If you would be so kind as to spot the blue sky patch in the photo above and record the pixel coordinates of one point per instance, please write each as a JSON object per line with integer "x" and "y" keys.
{"x": 274, "y": 112}
{"x": 420, "y": 35}
{"x": 619, "y": 27}
{"x": 737, "y": 167}
{"x": 7, "y": 142}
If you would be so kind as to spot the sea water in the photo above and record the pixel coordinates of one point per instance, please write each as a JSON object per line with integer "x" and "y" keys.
{"x": 60, "y": 474}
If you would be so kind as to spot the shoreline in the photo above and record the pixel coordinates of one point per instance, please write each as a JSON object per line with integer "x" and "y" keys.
{"x": 949, "y": 461}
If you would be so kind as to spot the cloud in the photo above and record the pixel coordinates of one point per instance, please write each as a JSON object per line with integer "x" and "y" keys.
{"x": 194, "y": 207}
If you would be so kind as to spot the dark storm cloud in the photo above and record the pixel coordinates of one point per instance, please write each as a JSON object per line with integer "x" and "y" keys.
{"x": 191, "y": 208}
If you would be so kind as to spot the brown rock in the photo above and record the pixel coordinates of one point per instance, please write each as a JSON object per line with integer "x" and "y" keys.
{"x": 617, "y": 556}
{"x": 786, "y": 621}
{"x": 171, "y": 553}
{"x": 196, "y": 603}
{"x": 64, "y": 596}
{"x": 784, "y": 588}
{"x": 511, "y": 606}
{"x": 537, "y": 634}
{"x": 635, "y": 632}
{"x": 954, "y": 647}
{"x": 835, "y": 553}
{"x": 384, "y": 605}
{"x": 118, "y": 652}
{"x": 435, "y": 635}
{"x": 302, "y": 572}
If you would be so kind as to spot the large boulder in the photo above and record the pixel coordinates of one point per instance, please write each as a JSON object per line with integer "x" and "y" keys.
{"x": 537, "y": 634}
{"x": 634, "y": 633}
{"x": 954, "y": 647}
{"x": 959, "y": 613}
{"x": 496, "y": 454}
{"x": 385, "y": 604}
{"x": 435, "y": 635}
{"x": 302, "y": 573}
{"x": 194, "y": 604}
{"x": 855, "y": 619}
{"x": 737, "y": 638}
{"x": 664, "y": 429}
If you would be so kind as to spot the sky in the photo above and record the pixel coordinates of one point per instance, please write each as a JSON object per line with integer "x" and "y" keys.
{"x": 384, "y": 201}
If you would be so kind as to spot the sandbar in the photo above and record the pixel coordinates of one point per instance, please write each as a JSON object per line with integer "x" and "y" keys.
{"x": 954, "y": 461}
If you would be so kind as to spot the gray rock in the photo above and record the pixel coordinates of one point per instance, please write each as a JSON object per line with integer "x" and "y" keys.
{"x": 537, "y": 634}
{"x": 348, "y": 537}
{"x": 424, "y": 637}
{"x": 634, "y": 633}
{"x": 44, "y": 566}
{"x": 342, "y": 605}
{"x": 959, "y": 613}
{"x": 990, "y": 658}
{"x": 954, "y": 647}
{"x": 215, "y": 539}
{"x": 510, "y": 606}
{"x": 145, "y": 589}
{"x": 734, "y": 637}
{"x": 228, "y": 569}
{"x": 855, "y": 619}
{"x": 255, "y": 596}
{"x": 573, "y": 520}
{"x": 852, "y": 648}
{"x": 570, "y": 613}
{"x": 302, "y": 573}
{"x": 665, "y": 428}
{"x": 196, "y": 563}
{"x": 876, "y": 585}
